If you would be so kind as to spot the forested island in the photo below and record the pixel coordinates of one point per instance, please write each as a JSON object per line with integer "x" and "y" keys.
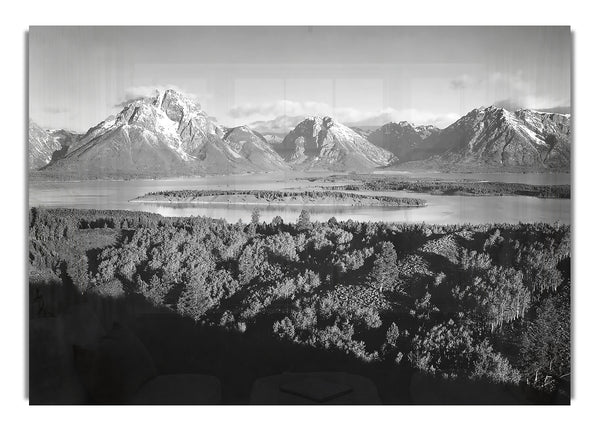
{"x": 478, "y": 303}
{"x": 268, "y": 197}
{"x": 448, "y": 187}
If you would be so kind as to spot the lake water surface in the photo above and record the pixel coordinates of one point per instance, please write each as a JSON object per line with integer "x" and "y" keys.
{"x": 103, "y": 194}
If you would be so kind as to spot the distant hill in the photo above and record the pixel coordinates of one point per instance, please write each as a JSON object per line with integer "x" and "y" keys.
{"x": 322, "y": 143}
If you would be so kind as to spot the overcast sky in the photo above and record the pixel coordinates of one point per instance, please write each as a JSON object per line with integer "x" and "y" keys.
{"x": 427, "y": 75}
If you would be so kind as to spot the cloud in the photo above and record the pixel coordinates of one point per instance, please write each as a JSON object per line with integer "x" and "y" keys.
{"x": 345, "y": 115}
{"x": 535, "y": 103}
{"x": 280, "y": 107}
{"x": 556, "y": 109}
{"x": 415, "y": 116}
{"x": 512, "y": 90}
{"x": 512, "y": 82}
{"x": 522, "y": 92}
{"x": 128, "y": 101}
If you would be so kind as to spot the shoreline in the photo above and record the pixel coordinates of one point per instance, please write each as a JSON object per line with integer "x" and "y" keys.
{"x": 204, "y": 202}
{"x": 464, "y": 188}
{"x": 38, "y": 177}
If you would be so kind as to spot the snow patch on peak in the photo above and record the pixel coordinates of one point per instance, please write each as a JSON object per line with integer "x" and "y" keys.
{"x": 166, "y": 126}
{"x": 406, "y": 124}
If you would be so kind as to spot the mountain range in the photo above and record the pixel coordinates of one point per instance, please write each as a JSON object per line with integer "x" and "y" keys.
{"x": 487, "y": 138}
{"x": 498, "y": 139}
{"x": 170, "y": 135}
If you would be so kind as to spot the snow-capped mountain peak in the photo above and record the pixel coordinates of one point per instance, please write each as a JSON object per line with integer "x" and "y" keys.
{"x": 167, "y": 134}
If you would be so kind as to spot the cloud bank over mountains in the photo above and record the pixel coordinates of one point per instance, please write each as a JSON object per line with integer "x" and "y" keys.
{"x": 512, "y": 91}
{"x": 249, "y": 112}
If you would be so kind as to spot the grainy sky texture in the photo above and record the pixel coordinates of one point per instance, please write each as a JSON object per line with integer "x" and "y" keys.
{"x": 78, "y": 76}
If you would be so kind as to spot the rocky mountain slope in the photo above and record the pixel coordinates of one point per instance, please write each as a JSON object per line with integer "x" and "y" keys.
{"x": 322, "y": 143}
{"x": 273, "y": 139}
{"x": 362, "y": 132}
{"x": 43, "y": 144}
{"x": 489, "y": 138}
{"x": 255, "y": 148}
{"x": 495, "y": 138}
{"x": 404, "y": 139}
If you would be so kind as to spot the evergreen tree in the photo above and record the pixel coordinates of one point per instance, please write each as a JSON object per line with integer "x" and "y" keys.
{"x": 392, "y": 334}
{"x": 255, "y": 216}
{"x": 191, "y": 302}
{"x": 304, "y": 220}
{"x": 545, "y": 347}
{"x": 155, "y": 291}
{"x": 277, "y": 221}
{"x": 385, "y": 268}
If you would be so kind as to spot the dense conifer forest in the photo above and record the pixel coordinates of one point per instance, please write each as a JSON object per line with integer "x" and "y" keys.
{"x": 480, "y": 302}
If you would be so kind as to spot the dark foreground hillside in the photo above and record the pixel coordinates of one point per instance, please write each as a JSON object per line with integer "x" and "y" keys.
{"x": 428, "y": 314}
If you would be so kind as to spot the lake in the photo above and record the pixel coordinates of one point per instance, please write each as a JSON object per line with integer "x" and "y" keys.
{"x": 106, "y": 194}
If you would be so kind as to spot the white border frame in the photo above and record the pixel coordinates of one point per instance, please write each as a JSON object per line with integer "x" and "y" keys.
{"x": 584, "y": 22}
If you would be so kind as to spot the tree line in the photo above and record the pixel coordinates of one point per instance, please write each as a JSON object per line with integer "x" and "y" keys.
{"x": 270, "y": 196}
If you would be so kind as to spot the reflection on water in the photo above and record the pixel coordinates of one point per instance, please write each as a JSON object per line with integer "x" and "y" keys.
{"x": 440, "y": 209}
{"x": 233, "y": 213}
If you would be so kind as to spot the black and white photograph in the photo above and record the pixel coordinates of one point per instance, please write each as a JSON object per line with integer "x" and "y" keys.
{"x": 217, "y": 213}
{"x": 299, "y": 215}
